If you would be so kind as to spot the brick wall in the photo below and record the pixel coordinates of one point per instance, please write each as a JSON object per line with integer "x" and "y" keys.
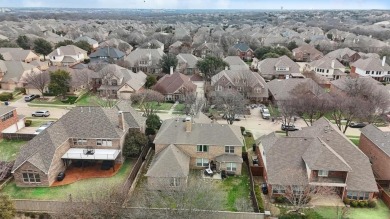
{"x": 18, "y": 175}
{"x": 57, "y": 164}
{"x": 92, "y": 143}
{"x": 7, "y": 123}
{"x": 380, "y": 161}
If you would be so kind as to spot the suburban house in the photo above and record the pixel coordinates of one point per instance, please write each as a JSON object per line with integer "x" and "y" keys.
{"x": 236, "y": 63}
{"x": 375, "y": 143}
{"x": 18, "y": 54}
{"x": 306, "y": 53}
{"x": 317, "y": 156}
{"x": 280, "y": 90}
{"x": 41, "y": 65}
{"x": 342, "y": 85}
{"x": 243, "y": 51}
{"x": 248, "y": 83}
{"x": 11, "y": 73}
{"x": 119, "y": 82}
{"x": 106, "y": 54}
{"x": 345, "y": 55}
{"x": 146, "y": 60}
{"x": 208, "y": 49}
{"x": 181, "y": 145}
{"x": 93, "y": 43}
{"x": 280, "y": 67}
{"x": 329, "y": 68}
{"x": 175, "y": 86}
{"x": 67, "y": 55}
{"x": 10, "y": 120}
{"x": 117, "y": 43}
{"x": 187, "y": 64}
{"x": 92, "y": 134}
{"x": 154, "y": 44}
{"x": 373, "y": 67}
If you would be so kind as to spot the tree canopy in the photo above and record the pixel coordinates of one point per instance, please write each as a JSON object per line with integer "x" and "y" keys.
{"x": 292, "y": 45}
{"x": 8, "y": 44}
{"x": 134, "y": 141}
{"x": 59, "y": 82}
{"x": 153, "y": 122}
{"x": 43, "y": 47}
{"x": 211, "y": 65}
{"x": 167, "y": 61}
{"x": 24, "y": 42}
{"x": 7, "y": 207}
{"x": 272, "y": 52}
{"x": 150, "y": 81}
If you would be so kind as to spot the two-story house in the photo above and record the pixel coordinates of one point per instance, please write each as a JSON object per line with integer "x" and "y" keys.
{"x": 243, "y": 51}
{"x": 92, "y": 134}
{"x": 93, "y": 43}
{"x": 317, "y": 156}
{"x": 236, "y": 63}
{"x": 146, "y": 60}
{"x": 119, "y": 82}
{"x": 184, "y": 145}
{"x": 281, "y": 67}
{"x": 175, "y": 86}
{"x": 375, "y": 144}
{"x": 208, "y": 49}
{"x": 107, "y": 54}
{"x": 345, "y": 55}
{"x": 306, "y": 53}
{"x": 373, "y": 67}
{"x": 67, "y": 55}
{"x": 329, "y": 68}
{"x": 12, "y": 73}
{"x": 187, "y": 64}
{"x": 10, "y": 121}
{"x": 248, "y": 83}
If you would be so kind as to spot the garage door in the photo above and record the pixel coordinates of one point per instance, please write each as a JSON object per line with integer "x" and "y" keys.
{"x": 125, "y": 95}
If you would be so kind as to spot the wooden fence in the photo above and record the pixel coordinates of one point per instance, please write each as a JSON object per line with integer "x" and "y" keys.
{"x": 252, "y": 184}
{"x": 18, "y": 136}
{"x": 384, "y": 196}
{"x": 134, "y": 171}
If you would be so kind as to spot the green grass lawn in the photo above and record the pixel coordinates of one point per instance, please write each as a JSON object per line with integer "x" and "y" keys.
{"x": 86, "y": 187}
{"x": 180, "y": 107}
{"x": 9, "y": 149}
{"x": 274, "y": 111}
{"x": 161, "y": 106}
{"x": 237, "y": 187}
{"x": 37, "y": 122}
{"x": 380, "y": 212}
{"x": 249, "y": 141}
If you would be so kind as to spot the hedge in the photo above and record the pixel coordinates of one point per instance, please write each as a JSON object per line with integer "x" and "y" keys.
{"x": 6, "y": 96}
{"x": 259, "y": 198}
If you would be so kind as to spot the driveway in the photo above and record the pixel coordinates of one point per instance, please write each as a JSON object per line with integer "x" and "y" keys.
{"x": 23, "y": 109}
{"x": 199, "y": 89}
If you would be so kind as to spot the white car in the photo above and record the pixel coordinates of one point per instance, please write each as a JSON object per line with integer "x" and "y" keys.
{"x": 265, "y": 113}
{"x": 39, "y": 130}
{"x": 41, "y": 113}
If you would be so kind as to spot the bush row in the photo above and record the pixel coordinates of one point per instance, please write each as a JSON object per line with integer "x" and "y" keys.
{"x": 6, "y": 96}
{"x": 259, "y": 198}
{"x": 361, "y": 204}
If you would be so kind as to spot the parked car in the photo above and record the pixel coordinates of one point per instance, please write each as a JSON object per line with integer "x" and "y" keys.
{"x": 41, "y": 113}
{"x": 39, "y": 130}
{"x": 60, "y": 176}
{"x": 47, "y": 124}
{"x": 289, "y": 128}
{"x": 30, "y": 97}
{"x": 357, "y": 125}
{"x": 265, "y": 114}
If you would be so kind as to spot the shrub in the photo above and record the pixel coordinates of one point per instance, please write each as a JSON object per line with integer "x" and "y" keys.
{"x": 292, "y": 215}
{"x": 242, "y": 129}
{"x": 371, "y": 204}
{"x": 6, "y": 96}
{"x": 280, "y": 199}
{"x": 27, "y": 123}
{"x": 361, "y": 204}
{"x": 170, "y": 101}
{"x": 347, "y": 201}
{"x": 354, "y": 203}
{"x": 248, "y": 134}
{"x": 20, "y": 90}
{"x": 150, "y": 131}
{"x": 259, "y": 198}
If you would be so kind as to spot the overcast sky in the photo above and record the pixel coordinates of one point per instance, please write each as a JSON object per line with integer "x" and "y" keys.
{"x": 203, "y": 4}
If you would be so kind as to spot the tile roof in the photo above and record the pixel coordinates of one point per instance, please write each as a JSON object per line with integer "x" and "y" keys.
{"x": 371, "y": 64}
{"x": 190, "y": 59}
{"x": 170, "y": 84}
{"x": 107, "y": 52}
{"x": 80, "y": 122}
{"x": 268, "y": 66}
{"x": 236, "y": 63}
{"x": 173, "y": 131}
{"x": 380, "y": 138}
{"x": 170, "y": 162}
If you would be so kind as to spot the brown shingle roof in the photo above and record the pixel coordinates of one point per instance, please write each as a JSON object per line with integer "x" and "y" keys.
{"x": 282, "y": 89}
{"x": 371, "y": 64}
{"x": 380, "y": 138}
{"x": 170, "y": 84}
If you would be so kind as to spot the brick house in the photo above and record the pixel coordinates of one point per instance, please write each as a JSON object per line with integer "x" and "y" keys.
{"x": 208, "y": 49}
{"x": 187, "y": 64}
{"x": 92, "y": 134}
{"x": 10, "y": 121}
{"x": 329, "y": 68}
{"x": 13, "y": 72}
{"x": 243, "y": 51}
{"x": 281, "y": 67}
{"x": 373, "y": 67}
{"x": 145, "y": 60}
{"x": 175, "y": 86}
{"x": 249, "y": 83}
{"x": 375, "y": 144}
{"x": 306, "y": 53}
{"x": 184, "y": 144}
{"x": 319, "y": 155}
{"x": 345, "y": 55}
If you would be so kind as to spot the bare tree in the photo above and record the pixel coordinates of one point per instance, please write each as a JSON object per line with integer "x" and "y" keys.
{"x": 148, "y": 101}
{"x": 193, "y": 104}
{"x": 287, "y": 112}
{"x": 5, "y": 169}
{"x": 81, "y": 78}
{"x": 38, "y": 80}
{"x": 231, "y": 102}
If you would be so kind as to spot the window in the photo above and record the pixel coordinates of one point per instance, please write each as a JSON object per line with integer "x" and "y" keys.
{"x": 282, "y": 69}
{"x": 174, "y": 182}
{"x": 352, "y": 195}
{"x": 323, "y": 173}
{"x": 202, "y": 148}
{"x": 202, "y": 162}
{"x": 31, "y": 176}
{"x": 104, "y": 142}
{"x": 367, "y": 72}
{"x": 277, "y": 189}
{"x": 327, "y": 70}
{"x": 258, "y": 90}
{"x": 143, "y": 62}
{"x": 230, "y": 87}
{"x": 7, "y": 116}
{"x": 79, "y": 141}
{"x": 231, "y": 166}
{"x": 372, "y": 72}
{"x": 218, "y": 88}
{"x": 229, "y": 149}
{"x": 114, "y": 82}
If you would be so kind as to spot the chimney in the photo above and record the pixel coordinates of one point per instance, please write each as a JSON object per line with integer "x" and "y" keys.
{"x": 188, "y": 124}
{"x": 383, "y": 61}
{"x": 226, "y": 68}
{"x": 171, "y": 70}
{"x": 58, "y": 51}
{"x": 120, "y": 120}
{"x": 333, "y": 63}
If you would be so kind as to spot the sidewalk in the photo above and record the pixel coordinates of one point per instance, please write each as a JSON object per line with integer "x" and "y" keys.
{"x": 170, "y": 112}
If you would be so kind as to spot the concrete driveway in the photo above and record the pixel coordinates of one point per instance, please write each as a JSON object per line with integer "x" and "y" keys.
{"x": 23, "y": 109}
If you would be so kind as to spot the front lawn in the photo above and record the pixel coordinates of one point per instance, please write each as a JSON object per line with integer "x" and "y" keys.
{"x": 9, "y": 149}
{"x": 158, "y": 106}
{"x": 274, "y": 111}
{"x": 180, "y": 107}
{"x": 55, "y": 101}
{"x": 86, "y": 186}
{"x": 379, "y": 212}
{"x": 249, "y": 141}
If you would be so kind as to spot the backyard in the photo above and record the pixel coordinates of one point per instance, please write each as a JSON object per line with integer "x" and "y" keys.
{"x": 86, "y": 186}
{"x": 9, "y": 149}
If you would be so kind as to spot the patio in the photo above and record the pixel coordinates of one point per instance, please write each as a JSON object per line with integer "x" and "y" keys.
{"x": 214, "y": 176}
{"x": 327, "y": 200}
{"x": 74, "y": 174}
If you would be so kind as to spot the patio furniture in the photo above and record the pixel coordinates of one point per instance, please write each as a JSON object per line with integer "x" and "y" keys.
{"x": 60, "y": 176}
{"x": 208, "y": 172}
